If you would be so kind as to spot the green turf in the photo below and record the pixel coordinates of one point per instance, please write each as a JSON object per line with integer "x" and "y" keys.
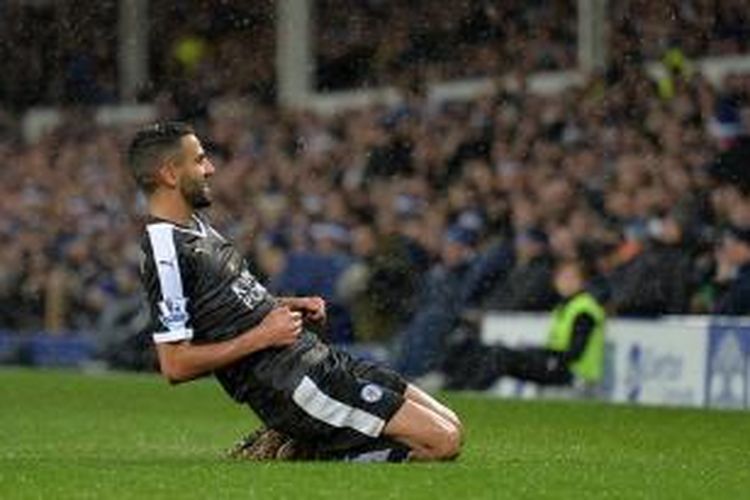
{"x": 65, "y": 435}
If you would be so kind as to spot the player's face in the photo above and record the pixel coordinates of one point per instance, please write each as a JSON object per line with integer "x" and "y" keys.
{"x": 196, "y": 170}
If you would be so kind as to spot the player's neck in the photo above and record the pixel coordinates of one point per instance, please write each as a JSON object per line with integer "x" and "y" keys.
{"x": 170, "y": 208}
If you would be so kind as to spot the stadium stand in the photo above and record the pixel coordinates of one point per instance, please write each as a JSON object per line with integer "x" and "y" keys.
{"x": 370, "y": 42}
{"x": 390, "y": 211}
{"x": 697, "y": 27}
{"x": 374, "y": 42}
{"x": 611, "y": 165}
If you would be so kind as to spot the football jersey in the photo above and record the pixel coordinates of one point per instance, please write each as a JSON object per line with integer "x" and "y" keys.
{"x": 199, "y": 289}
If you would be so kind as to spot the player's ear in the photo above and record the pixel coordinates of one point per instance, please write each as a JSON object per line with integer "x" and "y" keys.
{"x": 168, "y": 173}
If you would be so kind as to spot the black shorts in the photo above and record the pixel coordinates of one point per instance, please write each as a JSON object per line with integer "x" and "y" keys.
{"x": 338, "y": 403}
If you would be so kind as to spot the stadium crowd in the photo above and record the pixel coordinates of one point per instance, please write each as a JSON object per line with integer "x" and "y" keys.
{"x": 394, "y": 41}
{"x": 410, "y": 219}
{"x": 375, "y": 42}
{"x": 468, "y": 202}
{"x": 54, "y": 52}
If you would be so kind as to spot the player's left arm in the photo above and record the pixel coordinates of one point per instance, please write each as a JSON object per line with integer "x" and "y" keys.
{"x": 312, "y": 308}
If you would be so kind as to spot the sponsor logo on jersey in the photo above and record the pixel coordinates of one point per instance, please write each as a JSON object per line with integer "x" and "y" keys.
{"x": 249, "y": 290}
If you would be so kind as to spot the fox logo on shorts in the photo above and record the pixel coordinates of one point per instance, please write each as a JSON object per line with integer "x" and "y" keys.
{"x": 371, "y": 393}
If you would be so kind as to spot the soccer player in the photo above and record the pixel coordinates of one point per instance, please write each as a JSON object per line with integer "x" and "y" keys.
{"x": 212, "y": 316}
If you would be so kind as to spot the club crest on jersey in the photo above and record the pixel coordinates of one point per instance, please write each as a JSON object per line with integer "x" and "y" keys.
{"x": 173, "y": 313}
{"x": 371, "y": 393}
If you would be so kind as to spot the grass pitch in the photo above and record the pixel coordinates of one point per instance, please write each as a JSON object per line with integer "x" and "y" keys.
{"x": 66, "y": 435}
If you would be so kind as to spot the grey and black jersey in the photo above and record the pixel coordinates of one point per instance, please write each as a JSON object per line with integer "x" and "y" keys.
{"x": 198, "y": 285}
{"x": 200, "y": 289}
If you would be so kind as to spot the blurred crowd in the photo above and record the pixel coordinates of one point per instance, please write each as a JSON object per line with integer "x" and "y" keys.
{"x": 65, "y": 52}
{"x": 57, "y": 52}
{"x": 375, "y": 42}
{"x": 67, "y": 230}
{"x": 372, "y": 42}
{"x": 62, "y": 52}
{"x": 413, "y": 216}
{"x": 409, "y": 219}
{"x": 701, "y": 28}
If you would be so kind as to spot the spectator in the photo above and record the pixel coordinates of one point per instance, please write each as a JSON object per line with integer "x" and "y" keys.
{"x": 659, "y": 279}
{"x": 574, "y": 351}
{"x": 382, "y": 285}
{"x": 422, "y": 343}
{"x": 733, "y": 273}
{"x": 528, "y": 287}
{"x": 316, "y": 273}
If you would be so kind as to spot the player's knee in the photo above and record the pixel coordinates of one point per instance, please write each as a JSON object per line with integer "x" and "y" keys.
{"x": 452, "y": 417}
{"x": 456, "y": 440}
{"x": 457, "y": 422}
{"x": 448, "y": 445}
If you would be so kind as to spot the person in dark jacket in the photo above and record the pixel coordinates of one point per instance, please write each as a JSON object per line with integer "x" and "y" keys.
{"x": 733, "y": 273}
{"x": 422, "y": 342}
{"x": 528, "y": 286}
{"x": 658, "y": 280}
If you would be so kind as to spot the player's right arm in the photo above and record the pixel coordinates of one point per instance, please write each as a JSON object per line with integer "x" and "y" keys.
{"x": 183, "y": 361}
{"x": 168, "y": 278}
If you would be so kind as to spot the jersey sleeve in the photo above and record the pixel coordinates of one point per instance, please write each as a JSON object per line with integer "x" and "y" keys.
{"x": 163, "y": 277}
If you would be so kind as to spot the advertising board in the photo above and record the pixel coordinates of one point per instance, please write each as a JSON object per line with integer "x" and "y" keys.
{"x": 673, "y": 361}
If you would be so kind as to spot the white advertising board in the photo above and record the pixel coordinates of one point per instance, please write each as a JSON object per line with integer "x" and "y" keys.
{"x": 659, "y": 362}
{"x": 674, "y": 361}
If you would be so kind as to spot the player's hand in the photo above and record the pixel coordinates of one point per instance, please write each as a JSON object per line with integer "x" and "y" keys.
{"x": 312, "y": 308}
{"x": 280, "y": 327}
